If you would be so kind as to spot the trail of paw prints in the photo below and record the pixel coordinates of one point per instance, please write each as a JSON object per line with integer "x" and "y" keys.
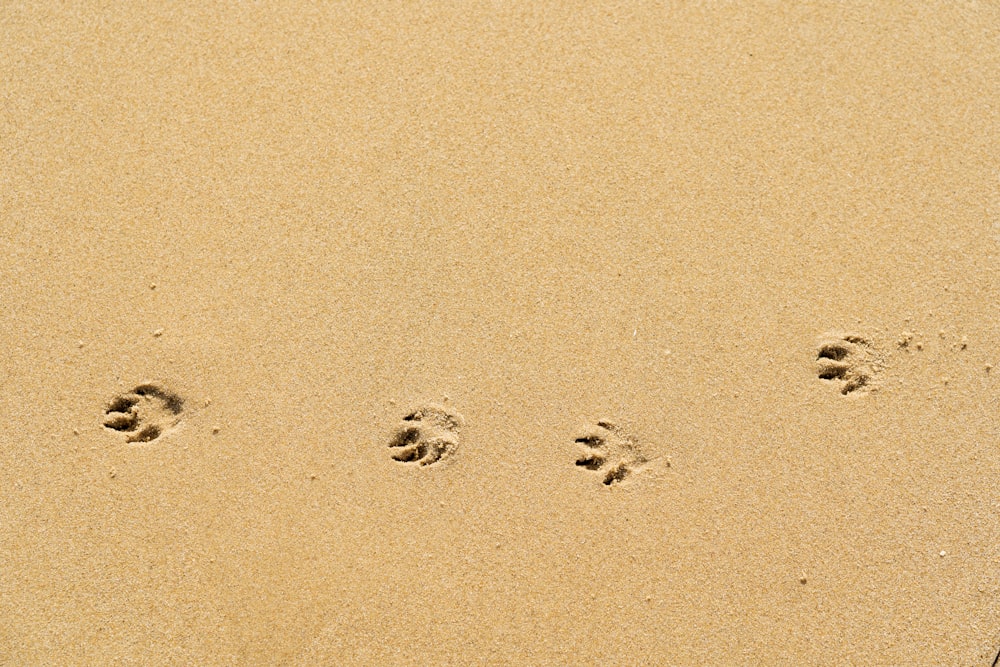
{"x": 849, "y": 360}
{"x": 426, "y": 436}
{"x": 608, "y": 449}
{"x": 145, "y": 413}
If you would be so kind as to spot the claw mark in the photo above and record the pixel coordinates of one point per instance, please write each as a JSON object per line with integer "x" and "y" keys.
{"x": 595, "y": 441}
{"x": 426, "y": 436}
{"x": 123, "y": 403}
{"x": 143, "y": 414}
{"x": 592, "y": 462}
{"x": 834, "y": 351}
{"x": 616, "y": 474}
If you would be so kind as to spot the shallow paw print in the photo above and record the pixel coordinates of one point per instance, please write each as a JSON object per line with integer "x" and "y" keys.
{"x": 608, "y": 449}
{"x": 143, "y": 414}
{"x": 848, "y": 359}
{"x": 426, "y": 436}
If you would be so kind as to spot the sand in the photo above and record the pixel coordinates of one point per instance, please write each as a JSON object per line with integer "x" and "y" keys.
{"x": 692, "y": 310}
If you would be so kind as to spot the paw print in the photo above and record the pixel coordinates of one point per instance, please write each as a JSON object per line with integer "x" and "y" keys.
{"x": 144, "y": 413}
{"x": 848, "y": 359}
{"x": 426, "y": 436}
{"x": 607, "y": 448}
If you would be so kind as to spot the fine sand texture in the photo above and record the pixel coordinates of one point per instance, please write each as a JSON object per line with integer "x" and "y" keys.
{"x": 490, "y": 333}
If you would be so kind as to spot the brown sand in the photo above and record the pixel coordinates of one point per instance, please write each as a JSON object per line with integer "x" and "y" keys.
{"x": 307, "y": 222}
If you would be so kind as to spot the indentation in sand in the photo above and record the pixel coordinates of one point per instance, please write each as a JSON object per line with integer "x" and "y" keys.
{"x": 145, "y": 413}
{"x": 610, "y": 450}
{"x": 426, "y": 436}
{"x": 849, "y": 360}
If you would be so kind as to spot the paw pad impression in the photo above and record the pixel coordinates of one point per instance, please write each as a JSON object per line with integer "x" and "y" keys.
{"x": 610, "y": 450}
{"x": 426, "y": 436}
{"x": 848, "y": 359}
{"x": 145, "y": 413}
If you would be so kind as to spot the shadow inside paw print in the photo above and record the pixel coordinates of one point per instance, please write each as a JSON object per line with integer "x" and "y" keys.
{"x": 145, "y": 413}
{"x": 426, "y": 436}
{"x": 608, "y": 449}
{"x": 848, "y": 359}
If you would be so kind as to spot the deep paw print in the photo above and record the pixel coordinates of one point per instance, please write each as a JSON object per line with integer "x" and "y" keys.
{"x": 848, "y": 359}
{"x": 145, "y": 413}
{"x": 426, "y": 436}
{"x": 608, "y": 449}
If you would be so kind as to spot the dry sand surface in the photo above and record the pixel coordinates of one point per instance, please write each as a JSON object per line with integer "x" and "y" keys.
{"x": 500, "y": 334}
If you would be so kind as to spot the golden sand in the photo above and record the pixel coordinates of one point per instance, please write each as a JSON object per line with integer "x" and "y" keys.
{"x": 506, "y": 334}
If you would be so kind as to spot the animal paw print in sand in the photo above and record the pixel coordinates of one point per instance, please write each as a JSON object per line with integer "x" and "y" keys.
{"x": 426, "y": 436}
{"x": 608, "y": 449}
{"x": 848, "y": 359}
{"x": 145, "y": 413}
